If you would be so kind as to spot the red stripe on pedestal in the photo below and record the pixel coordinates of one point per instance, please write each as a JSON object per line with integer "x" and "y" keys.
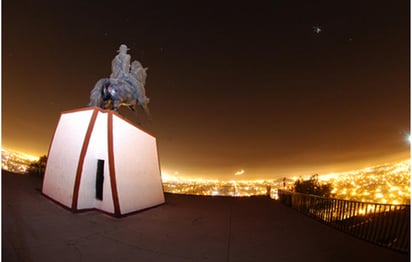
{"x": 81, "y": 160}
{"x": 112, "y": 169}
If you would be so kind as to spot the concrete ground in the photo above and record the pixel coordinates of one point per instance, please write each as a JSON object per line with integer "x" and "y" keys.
{"x": 186, "y": 228}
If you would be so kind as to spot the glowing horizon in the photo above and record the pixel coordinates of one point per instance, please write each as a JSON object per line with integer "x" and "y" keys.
{"x": 386, "y": 183}
{"x": 266, "y": 173}
{"x": 31, "y": 157}
{"x": 305, "y": 173}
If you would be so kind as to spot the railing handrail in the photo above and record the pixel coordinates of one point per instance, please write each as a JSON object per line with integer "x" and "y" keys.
{"x": 340, "y": 199}
{"x": 382, "y": 224}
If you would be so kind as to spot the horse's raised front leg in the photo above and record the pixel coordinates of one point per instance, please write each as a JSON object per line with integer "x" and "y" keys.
{"x": 116, "y": 105}
{"x": 104, "y": 104}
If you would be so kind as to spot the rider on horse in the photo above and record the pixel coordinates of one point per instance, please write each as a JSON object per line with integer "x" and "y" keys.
{"x": 121, "y": 63}
{"x": 125, "y": 87}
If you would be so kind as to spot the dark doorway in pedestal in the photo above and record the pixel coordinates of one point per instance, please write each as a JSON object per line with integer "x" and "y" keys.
{"x": 99, "y": 179}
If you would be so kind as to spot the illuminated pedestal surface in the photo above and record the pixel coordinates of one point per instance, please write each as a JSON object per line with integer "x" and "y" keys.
{"x": 128, "y": 179}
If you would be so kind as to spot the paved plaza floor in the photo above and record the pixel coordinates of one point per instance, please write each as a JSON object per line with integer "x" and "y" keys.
{"x": 185, "y": 228}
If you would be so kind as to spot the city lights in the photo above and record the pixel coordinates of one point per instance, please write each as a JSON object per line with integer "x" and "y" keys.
{"x": 15, "y": 161}
{"x": 385, "y": 184}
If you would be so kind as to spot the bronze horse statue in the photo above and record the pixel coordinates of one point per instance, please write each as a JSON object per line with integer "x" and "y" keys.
{"x": 112, "y": 93}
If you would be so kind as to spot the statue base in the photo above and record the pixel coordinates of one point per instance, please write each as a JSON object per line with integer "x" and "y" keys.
{"x": 98, "y": 160}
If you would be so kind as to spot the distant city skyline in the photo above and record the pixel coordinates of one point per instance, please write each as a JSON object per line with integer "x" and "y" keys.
{"x": 385, "y": 184}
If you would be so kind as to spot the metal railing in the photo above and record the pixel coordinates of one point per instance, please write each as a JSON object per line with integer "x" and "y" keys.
{"x": 382, "y": 224}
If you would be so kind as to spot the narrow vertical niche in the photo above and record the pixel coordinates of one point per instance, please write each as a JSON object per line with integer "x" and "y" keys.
{"x": 99, "y": 179}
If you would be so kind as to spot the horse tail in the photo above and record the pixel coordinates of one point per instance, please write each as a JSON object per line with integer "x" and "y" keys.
{"x": 144, "y": 105}
{"x": 96, "y": 98}
{"x": 147, "y": 112}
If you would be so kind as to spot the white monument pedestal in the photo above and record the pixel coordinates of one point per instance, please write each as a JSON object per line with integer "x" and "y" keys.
{"x": 99, "y": 160}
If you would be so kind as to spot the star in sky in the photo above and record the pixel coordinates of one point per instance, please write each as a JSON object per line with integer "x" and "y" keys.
{"x": 317, "y": 29}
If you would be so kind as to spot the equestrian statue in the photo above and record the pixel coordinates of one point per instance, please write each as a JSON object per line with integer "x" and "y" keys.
{"x": 125, "y": 87}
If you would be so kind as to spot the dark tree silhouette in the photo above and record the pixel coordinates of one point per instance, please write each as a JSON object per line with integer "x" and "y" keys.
{"x": 312, "y": 186}
{"x": 38, "y": 167}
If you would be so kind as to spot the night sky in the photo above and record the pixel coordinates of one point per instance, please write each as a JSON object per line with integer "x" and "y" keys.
{"x": 232, "y": 86}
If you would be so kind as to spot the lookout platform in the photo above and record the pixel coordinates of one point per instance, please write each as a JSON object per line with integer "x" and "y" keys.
{"x": 185, "y": 228}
